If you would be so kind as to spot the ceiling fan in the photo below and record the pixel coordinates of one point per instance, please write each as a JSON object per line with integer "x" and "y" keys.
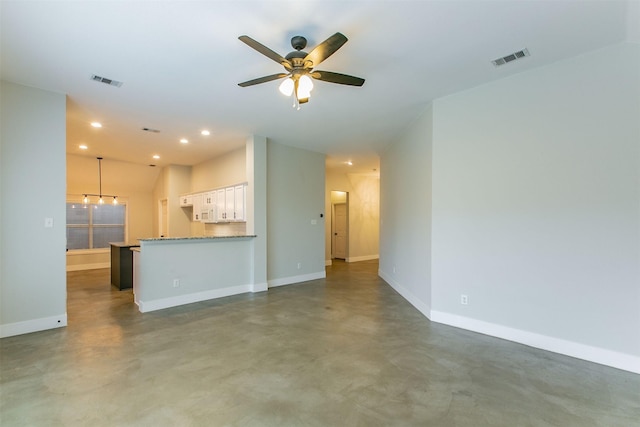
{"x": 299, "y": 66}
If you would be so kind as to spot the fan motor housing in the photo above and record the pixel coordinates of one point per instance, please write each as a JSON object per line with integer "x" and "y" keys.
{"x": 296, "y": 57}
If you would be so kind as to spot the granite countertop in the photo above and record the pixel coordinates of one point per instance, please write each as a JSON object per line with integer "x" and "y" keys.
{"x": 123, "y": 244}
{"x": 162, "y": 239}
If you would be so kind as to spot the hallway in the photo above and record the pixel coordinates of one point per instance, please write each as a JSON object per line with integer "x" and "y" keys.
{"x": 343, "y": 351}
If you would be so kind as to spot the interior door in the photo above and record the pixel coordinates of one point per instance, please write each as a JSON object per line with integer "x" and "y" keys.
{"x": 340, "y": 230}
{"x": 163, "y": 219}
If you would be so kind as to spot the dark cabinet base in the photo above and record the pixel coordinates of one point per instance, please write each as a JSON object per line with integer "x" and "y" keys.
{"x": 122, "y": 265}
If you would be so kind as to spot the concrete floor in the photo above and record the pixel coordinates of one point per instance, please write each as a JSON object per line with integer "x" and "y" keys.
{"x": 345, "y": 351}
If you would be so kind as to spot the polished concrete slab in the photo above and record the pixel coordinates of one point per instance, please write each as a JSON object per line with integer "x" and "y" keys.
{"x": 345, "y": 351}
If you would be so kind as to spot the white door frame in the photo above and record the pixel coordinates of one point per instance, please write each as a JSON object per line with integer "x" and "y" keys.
{"x": 161, "y": 217}
{"x": 333, "y": 216}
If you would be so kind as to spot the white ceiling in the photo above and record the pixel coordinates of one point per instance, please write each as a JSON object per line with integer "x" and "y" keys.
{"x": 180, "y": 62}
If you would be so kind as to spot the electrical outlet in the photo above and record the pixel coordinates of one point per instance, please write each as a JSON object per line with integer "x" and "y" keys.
{"x": 464, "y": 300}
{"x": 299, "y": 266}
{"x": 176, "y": 283}
{"x": 394, "y": 268}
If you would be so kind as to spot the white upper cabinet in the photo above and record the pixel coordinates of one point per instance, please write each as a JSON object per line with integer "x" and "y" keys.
{"x": 239, "y": 203}
{"x": 209, "y": 206}
{"x": 223, "y": 205}
{"x": 186, "y": 200}
{"x": 197, "y": 206}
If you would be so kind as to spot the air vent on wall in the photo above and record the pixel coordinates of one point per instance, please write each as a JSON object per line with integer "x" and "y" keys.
{"x": 106, "y": 80}
{"x": 511, "y": 57}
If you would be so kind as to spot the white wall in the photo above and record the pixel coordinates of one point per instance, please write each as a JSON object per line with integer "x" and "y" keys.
{"x": 364, "y": 213}
{"x": 295, "y": 189}
{"x": 32, "y": 188}
{"x": 172, "y": 181}
{"x": 222, "y": 171}
{"x": 536, "y": 208}
{"x": 256, "y": 208}
{"x": 405, "y": 214}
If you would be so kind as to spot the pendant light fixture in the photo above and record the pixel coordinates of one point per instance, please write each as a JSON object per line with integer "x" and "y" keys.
{"x": 100, "y": 196}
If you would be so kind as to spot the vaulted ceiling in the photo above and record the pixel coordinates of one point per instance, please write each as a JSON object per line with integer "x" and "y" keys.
{"x": 180, "y": 63}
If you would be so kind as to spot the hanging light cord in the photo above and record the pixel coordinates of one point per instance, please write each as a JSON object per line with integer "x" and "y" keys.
{"x": 100, "y": 174}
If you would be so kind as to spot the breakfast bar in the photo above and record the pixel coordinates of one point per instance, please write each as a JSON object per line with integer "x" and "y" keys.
{"x": 172, "y": 271}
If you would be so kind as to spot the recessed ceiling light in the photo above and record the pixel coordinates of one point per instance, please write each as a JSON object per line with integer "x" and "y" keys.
{"x": 83, "y": 147}
{"x": 155, "y": 156}
{"x": 205, "y": 132}
{"x": 349, "y": 163}
{"x": 184, "y": 141}
{"x": 96, "y": 124}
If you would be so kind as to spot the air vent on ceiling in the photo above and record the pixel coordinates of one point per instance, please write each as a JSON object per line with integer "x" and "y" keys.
{"x": 511, "y": 57}
{"x": 151, "y": 130}
{"x": 106, "y": 80}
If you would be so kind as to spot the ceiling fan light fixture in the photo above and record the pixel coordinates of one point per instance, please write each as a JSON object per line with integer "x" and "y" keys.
{"x": 286, "y": 87}
{"x": 305, "y": 85}
{"x": 300, "y": 66}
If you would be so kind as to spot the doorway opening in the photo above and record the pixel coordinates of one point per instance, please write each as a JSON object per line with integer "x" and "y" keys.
{"x": 340, "y": 225}
{"x": 163, "y": 218}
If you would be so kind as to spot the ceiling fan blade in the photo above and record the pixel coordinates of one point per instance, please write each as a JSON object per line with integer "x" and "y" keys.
{"x": 325, "y": 49}
{"x": 263, "y": 79}
{"x": 266, "y": 51}
{"x": 332, "y": 77}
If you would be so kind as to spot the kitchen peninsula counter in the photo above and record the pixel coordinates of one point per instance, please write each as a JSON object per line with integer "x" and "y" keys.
{"x": 163, "y": 239}
{"x": 172, "y": 271}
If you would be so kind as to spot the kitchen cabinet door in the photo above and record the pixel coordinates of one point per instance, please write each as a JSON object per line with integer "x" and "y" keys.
{"x": 239, "y": 203}
{"x": 209, "y": 207}
{"x": 221, "y": 205}
{"x": 186, "y": 201}
{"x": 229, "y": 201}
{"x": 197, "y": 207}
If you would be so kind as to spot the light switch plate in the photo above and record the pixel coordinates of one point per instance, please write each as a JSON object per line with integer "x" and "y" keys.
{"x": 48, "y": 223}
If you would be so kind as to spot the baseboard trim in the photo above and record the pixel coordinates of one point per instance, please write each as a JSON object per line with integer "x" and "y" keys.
{"x": 328, "y": 262}
{"x": 160, "y": 304}
{"x": 362, "y": 258}
{"x": 95, "y": 266}
{"x": 598, "y": 355}
{"x": 259, "y": 287}
{"x": 297, "y": 279}
{"x": 423, "y": 308}
{"x": 34, "y": 325}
